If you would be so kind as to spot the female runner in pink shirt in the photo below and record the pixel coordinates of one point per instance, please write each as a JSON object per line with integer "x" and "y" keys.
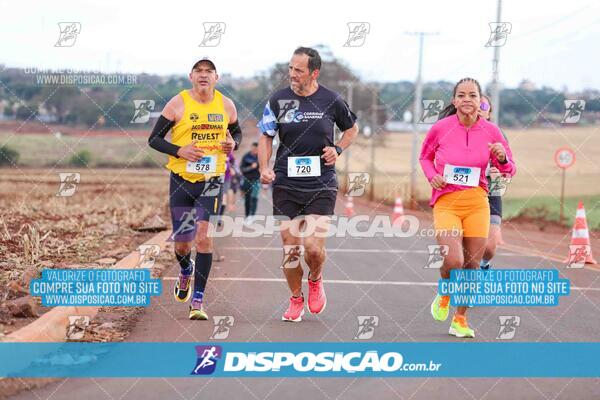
{"x": 454, "y": 157}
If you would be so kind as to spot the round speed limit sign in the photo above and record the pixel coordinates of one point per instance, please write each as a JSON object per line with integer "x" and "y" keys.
{"x": 564, "y": 157}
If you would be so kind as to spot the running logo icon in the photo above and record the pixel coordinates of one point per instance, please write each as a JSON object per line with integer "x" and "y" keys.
{"x": 499, "y": 33}
{"x": 212, "y": 34}
{"x": 77, "y": 327}
{"x": 68, "y": 34}
{"x": 213, "y": 186}
{"x": 366, "y": 326}
{"x": 357, "y": 183}
{"x": 187, "y": 226}
{"x": 498, "y": 184}
{"x": 207, "y": 359}
{"x": 578, "y": 253}
{"x": 508, "y": 326}
{"x": 68, "y": 183}
{"x": 223, "y": 324}
{"x": 148, "y": 254}
{"x": 437, "y": 252}
{"x": 292, "y": 255}
{"x": 142, "y": 111}
{"x": 573, "y": 111}
{"x": 288, "y": 110}
{"x": 431, "y": 111}
{"x": 357, "y": 33}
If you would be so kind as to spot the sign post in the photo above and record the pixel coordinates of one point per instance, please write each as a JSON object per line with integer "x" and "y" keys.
{"x": 564, "y": 158}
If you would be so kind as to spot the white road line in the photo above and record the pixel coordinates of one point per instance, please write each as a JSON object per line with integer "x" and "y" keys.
{"x": 552, "y": 257}
{"x": 349, "y": 282}
{"x": 328, "y": 250}
{"x": 254, "y": 248}
{"x": 343, "y": 281}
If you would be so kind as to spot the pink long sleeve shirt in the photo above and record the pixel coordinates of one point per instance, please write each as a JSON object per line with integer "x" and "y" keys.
{"x": 448, "y": 141}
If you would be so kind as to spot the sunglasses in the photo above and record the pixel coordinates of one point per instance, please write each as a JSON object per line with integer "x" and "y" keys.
{"x": 484, "y": 106}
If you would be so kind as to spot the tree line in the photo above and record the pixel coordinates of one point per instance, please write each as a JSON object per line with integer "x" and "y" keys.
{"x": 112, "y": 106}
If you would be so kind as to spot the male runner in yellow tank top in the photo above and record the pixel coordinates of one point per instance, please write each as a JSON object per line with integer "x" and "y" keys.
{"x": 204, "y": 131}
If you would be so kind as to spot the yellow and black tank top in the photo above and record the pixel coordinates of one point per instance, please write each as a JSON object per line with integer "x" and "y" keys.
{"x": 206, "y": 123}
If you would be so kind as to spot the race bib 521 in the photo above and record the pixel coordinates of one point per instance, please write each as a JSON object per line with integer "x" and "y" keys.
{"x": 458, "y": 175}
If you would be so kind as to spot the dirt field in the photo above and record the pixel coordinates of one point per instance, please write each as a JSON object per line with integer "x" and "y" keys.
{"x": 40, "y": 150}
{"x": 94, "y": 227}
{"x": 38, "y": 147}
{"x": 537, "y": 182}
{"x": 533, "y": 151}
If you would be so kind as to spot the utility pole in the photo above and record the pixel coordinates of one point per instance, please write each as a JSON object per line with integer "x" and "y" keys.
{"x": 374, "y": 108}
{"x": 416, "y": 117}
{"x": 349, "y": 96}
{"x": 495, "y": 81}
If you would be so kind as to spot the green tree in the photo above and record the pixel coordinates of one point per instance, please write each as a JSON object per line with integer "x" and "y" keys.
{"x": 81, "y": 159}
{"x": 8, "y": 156}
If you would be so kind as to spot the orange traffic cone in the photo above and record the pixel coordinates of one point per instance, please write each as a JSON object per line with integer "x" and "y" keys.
{"x": 398, "y": 215}
{"x": 580, "y": 238}
{"x": 349, "y": 209}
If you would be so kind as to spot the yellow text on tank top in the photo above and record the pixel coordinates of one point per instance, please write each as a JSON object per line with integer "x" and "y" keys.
{"x": 205, "y": 123}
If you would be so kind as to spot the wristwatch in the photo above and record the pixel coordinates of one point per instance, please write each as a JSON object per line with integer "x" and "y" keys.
{"x": 339, "y": 150}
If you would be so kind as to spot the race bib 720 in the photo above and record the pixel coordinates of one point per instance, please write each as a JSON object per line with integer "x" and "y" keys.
{"x": 304, "y": 166}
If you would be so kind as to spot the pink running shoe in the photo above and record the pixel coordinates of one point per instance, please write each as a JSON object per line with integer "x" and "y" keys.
{"x": 316, "y": 296}
{"x": 295, "y": 311}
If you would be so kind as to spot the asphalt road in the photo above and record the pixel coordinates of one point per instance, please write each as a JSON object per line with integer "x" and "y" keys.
{"x": 382, "y": 277}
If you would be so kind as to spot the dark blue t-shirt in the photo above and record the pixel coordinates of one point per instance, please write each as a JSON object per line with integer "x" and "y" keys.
{"x": 305, "y": 125}
{"x": 246, "y": 167}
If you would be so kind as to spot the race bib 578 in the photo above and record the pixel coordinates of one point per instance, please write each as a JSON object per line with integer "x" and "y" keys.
{"x": 205, "y": 165}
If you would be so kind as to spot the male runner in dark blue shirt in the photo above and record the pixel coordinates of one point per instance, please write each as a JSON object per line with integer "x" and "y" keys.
{"x": 304, "y": 179}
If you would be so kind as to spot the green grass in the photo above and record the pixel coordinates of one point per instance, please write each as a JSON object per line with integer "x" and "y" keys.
{"x": 549, "y": 207}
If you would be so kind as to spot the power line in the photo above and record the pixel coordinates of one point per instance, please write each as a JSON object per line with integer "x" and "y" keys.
{"x": 553, "y": 23}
